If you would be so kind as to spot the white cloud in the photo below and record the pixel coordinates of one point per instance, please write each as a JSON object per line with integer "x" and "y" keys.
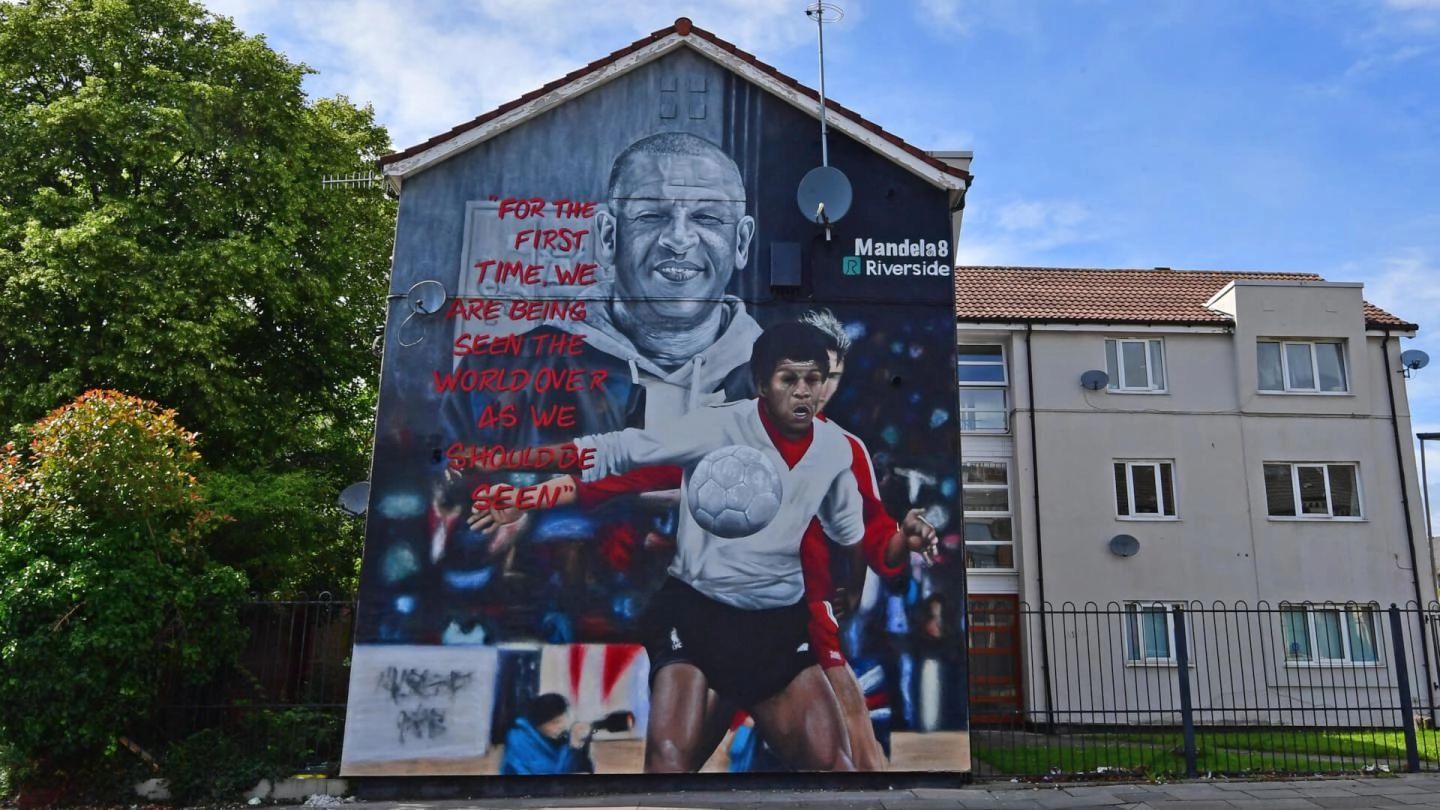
{"x": 965, "y": 17}
{"x": 427, "y": 67}
{"x": 1401, "y": 20}
{"x": 980, "y": 252}
{"x": 1052, "y": 216}
{"x": 1402, "y": 283}
{"x": 946, "y": 14}
{"x": 1384, "y": 60}
{"x": 1022, "y": 232}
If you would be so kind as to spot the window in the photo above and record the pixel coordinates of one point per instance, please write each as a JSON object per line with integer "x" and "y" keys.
{"x": 1303, "y": 366}
{"x": 983, "y": 406}
{"x": 989, "y": 534}
{"x": 1329, "y": 635}
{"x": 1135, "y": 365}
{"x": 982, "y": 364}
{"x": 983, "y": 410}
{"x": 1145, "y": 490}
{"x": 1149, "y": 633}
{"x": 1314, "y": 491}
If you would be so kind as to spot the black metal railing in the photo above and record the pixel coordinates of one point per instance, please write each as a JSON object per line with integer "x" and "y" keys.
{"x": 1136, "y": 690}
{"x": 287, "y": 690}
{"x": 1143, "y": 689}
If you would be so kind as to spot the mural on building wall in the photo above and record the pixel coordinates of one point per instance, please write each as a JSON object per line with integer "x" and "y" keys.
{"x": 635, "y": 521}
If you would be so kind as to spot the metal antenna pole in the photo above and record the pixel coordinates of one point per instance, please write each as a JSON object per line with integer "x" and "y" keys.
{"x": 824, "y": 139}
{"x": 823, "y": 12}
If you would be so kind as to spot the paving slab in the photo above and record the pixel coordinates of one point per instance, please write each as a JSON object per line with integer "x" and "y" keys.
{"x": 1357, "y": 802}
{"x": 1276, "y": 792}
{"x": 1193, "y": 804}
{"x": 1273, "y": 804}
{"x": 1412, "y": 799}
{"x": 1328, "y": 791}
{"x": 1184, "y": 791}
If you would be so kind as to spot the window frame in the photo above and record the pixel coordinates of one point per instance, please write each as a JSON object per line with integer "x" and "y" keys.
{"x": 1297, "y": 502}
{"x": 1154, "y": 357}
{"x": 999, "y": 363}
{"x": 1166, "y": 499}
{"x": 988, "y": 514}
{"x": 970, "y": 416}
{"x": 1135, "y": 647}
{"x": 1345, "y": 616}
{"x": 1283, "y": 347}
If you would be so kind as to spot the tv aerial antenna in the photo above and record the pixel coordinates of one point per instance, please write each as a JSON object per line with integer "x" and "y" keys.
{"x": 824, "y": 195}
{"x": 353, "y": 180}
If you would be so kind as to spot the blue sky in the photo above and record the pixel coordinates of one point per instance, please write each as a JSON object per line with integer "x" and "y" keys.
{"x": 1195, "y": 134}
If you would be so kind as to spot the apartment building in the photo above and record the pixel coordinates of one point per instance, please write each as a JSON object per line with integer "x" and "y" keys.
{"x": 1135, "y": 439}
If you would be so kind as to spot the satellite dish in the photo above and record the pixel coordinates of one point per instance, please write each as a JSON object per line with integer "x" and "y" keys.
{"x": 1414, "y": 359}
{"x": 1094, "y": 380}
{"x": 427, "y": 297}
{"x": 355, "y": 499}
{"x": 824, "y": 195}
{"x": 1124, "y": 545}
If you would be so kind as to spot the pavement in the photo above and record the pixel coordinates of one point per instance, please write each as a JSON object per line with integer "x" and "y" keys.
{"x": 1382, "y": 790}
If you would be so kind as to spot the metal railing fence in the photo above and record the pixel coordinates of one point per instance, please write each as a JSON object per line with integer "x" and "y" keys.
{"x": 1141, "y": 689}
{"x": 1125, "y": 690}
{"x": 287, "y": 690}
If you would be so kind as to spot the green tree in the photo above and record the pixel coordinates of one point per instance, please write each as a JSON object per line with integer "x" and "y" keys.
{"x": 105, "y": 586}
{"x": 164, "y": 230}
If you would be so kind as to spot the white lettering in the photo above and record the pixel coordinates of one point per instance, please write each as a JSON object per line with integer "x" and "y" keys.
{"x": 909, "y": 248}
{"x": 879, "y": 268}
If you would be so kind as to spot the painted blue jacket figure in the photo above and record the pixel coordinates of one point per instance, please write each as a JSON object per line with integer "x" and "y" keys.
{"x": 541, "y": 743}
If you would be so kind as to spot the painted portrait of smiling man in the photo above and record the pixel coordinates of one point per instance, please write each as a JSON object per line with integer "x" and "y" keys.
{"x": 662, "y": 328}
{"x": 675, "y": 232}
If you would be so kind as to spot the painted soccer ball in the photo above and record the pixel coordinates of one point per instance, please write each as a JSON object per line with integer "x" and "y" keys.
{"x": 734, "y": 491}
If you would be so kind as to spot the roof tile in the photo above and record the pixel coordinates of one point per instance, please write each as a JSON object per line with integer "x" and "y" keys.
{"x": 1091, "y": 295}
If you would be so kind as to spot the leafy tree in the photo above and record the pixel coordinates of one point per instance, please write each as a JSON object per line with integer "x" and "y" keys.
{"x": 105, "y": 587}
{"x": 164, "y": 230}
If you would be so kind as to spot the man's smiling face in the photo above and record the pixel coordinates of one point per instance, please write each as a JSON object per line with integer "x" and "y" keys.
{"x": 680, "y": 232}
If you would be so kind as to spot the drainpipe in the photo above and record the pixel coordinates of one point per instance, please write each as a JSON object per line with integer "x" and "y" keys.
{"x": 1409, "y": 524}
{"x": 1039, "y": 546}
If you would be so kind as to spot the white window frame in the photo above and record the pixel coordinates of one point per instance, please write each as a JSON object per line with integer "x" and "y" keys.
{"x": 1287, "y": 383}
{"x": 1168, "y": 508}
{"x": 1346, "y": 617}
{"x": 1120, "y": 383}
{"x": 1296, "y": 501}
{"x": 1134, "y": 634}
{"x": 989, "y": 514}
{"x": 966, "y": 415}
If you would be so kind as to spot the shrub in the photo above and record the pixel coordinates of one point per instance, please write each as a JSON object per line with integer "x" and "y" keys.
{"x": 218, "y": 765}
{"x": 105, "y": 586}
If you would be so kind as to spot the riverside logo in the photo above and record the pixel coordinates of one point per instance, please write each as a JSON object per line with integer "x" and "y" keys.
{"x": 874, "y": 258}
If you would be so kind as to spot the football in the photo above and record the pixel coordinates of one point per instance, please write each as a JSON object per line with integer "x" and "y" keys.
{"x": 734, "y": 491}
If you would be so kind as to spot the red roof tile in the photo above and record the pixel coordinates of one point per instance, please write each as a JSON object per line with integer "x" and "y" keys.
{"x": 1085, "y": 295}
{"x": 682, "y": 27}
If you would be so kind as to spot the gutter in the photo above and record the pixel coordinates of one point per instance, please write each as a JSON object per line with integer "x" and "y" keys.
{"x": 1219, "y": 323}
{"x": 1409, "y": 524}
{"x": 1039, "y": 545}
